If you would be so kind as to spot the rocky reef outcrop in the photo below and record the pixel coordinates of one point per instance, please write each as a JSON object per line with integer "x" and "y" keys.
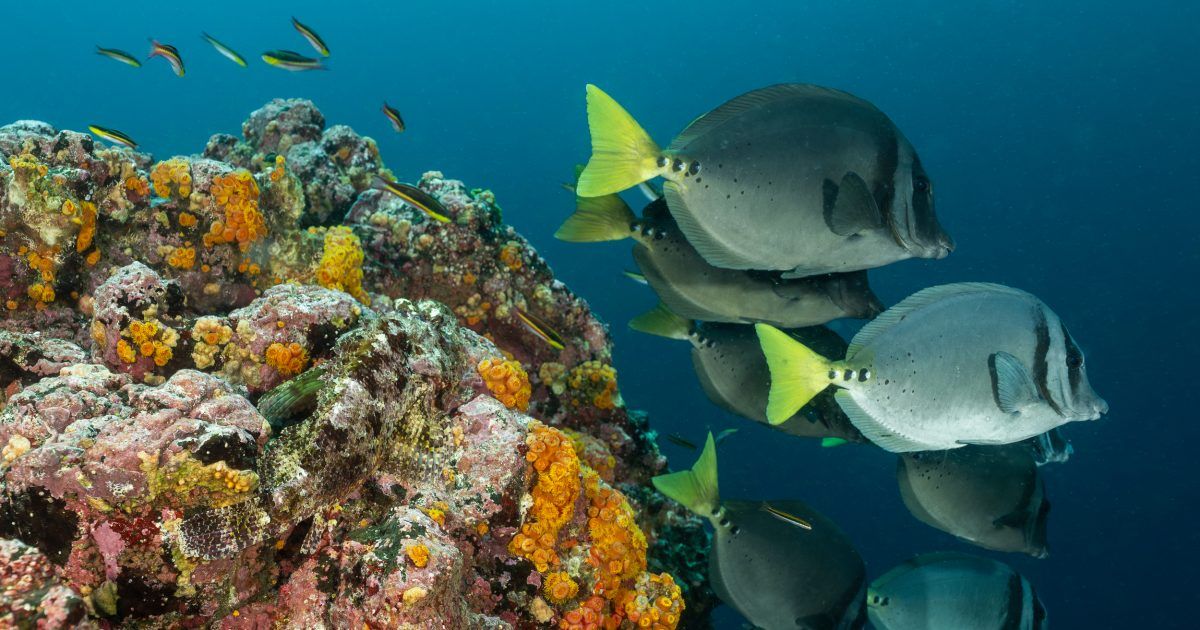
{"x": 244, "y": 389}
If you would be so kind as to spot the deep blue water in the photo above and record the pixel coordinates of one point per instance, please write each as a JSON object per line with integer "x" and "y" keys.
{"x": 1063, "y": 141}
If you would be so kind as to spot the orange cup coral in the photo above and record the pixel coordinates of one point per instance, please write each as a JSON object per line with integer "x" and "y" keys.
{"x": 507, "y": 381}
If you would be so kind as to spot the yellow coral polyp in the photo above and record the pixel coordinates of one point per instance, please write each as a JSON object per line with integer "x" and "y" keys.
{"x": 419, "y": 554}
{"x": 137, "y": 185}
{"x": 558, "y": 587}
{"x": 126, "y": 351}
{"x": 341, "y": 263}
{"x": 278, "y": 172}
{"x": 236, "y": 194}
{"x": 508, "y": 382}
{"x": 182, "y": 258}
{"x": 618, "y": 548}
{"x": 594, "y": 381}
{"x": 187, "y": 220}
{"x": 208, "y": 337}
{"x": 656, "y": 603}
{"x": 554, "y": 493}
{"x": 171, "y": 177}
{"x": 68, "y": 207}
{"x": 87, "y": 227}
{"x": 41, "y": 293}
{"x": 27, "y": 164}
{"x": 289, "y": 359}
{"x": 510, "y": 255}
{"x": 151, "y": 340}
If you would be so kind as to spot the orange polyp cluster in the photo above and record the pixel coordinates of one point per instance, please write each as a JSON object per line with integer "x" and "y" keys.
{"x": 595, "y": 381}
{"x": 187, "y": 220}
{"x": 148, "y": 339}
{"x": 236, "y": 194}
{"x": 87, "y": 227}
{"x": 28, "y": 164}
{"x": 278, "y": 172}
{"x": 588, "y": 616}
{"x": 172, "y": 177}
{"x": 554, "y": 495}
{"x": 618, "y": 548}
{"x": 182, "y": 257}
{"x": 341, "y": 263}
{"x": 289, "y": 359}
{"x": 419, "y": 554}
{"x": 510, "y": 255}
{"x": 594, "y": 453}
{"x": 656, "y": 603}
{"x": 558, "y": 587}
{"x": 508, "y": 382}
{"x": 137, "y": 185}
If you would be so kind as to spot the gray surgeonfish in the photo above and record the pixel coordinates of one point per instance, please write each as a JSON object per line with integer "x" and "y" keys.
{"x": 779, "y": 564}
{"x": 951, "y": 365}
{"x": 952, "y": 591}
{"x": 991, "y": 496}
{"x": 694, "y": 289}
{"x": 794, "y": 178}
{"x": 733, "y": 372}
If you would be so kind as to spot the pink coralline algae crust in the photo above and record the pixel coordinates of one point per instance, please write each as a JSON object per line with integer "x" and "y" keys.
{"x": 198, "y": 427}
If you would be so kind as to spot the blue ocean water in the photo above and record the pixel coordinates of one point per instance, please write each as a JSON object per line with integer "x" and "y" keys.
{"x": 1062, "y": 138}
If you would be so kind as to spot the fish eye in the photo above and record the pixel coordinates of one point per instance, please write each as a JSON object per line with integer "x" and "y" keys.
{"x": 921, "y": 184}
{"x": 1074, "y": 361}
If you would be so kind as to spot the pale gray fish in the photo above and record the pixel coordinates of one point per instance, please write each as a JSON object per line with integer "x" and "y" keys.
{"x": 951, "y": 365}
{"x": 733, "y": 372}
{"x": 795, "y": 178}
{"x": 763, "y": 560}
{"x": 697, "y": 290}
{"x": 951, "y": 591}
{"x": 992, "y": 496}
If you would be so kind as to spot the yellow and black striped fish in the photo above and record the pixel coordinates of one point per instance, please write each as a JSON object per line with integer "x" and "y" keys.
{"x": 413, "y": 196}
{"x": 119, "y": 55}
{"x": 786, "y": 517}
{"x": 112, "y": 135}
{"x": 541, "y": 330}
{"x": 225, "y": 51}
{"x": 315, "y": 40}
{"x": 393, "y": 115}
{"x": 168, "y": 52}
{"x": 292, "y": 61}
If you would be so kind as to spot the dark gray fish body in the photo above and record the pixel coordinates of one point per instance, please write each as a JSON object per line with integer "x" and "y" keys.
{"x": 801, "y": 179}
{"x": 991, "y": 496}
{"x": 780, "y": 575}
{"x": 950, "y": 591}
{"x": 694, "y": 289}
{"x": 967, "y": 363}
{"x": 733, "y": 372}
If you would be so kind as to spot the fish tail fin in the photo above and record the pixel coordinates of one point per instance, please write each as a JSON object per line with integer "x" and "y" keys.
{"x": 797, "y": 373}
{"x": 696, "y": 489}
{"x": 604, "y": 218}
{"x": 661, "y": 321}
{"x": 623, "y": 155}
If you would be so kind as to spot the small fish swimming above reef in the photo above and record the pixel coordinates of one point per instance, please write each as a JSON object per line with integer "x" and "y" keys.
{"x": 291, "y": 61}
{"x": 393, "y": 115}
{"x": 733, "y": 372}
{"x": 170, "y": 53}
{"x": 992, "y": 496}
{"x": 694, "y": 289}
{"x": 414, "y": 197}
{"x": 794, "y": 178}
{"x": 541, "y": 330}
{"x": 112, "y": 135}
{"x": 953, "y": 591}
{"x": 781, "y": 564}
{"x": 119, "y": 55}
{"x": 314, "y": 40}
{"x": 225, "y": 51}
{"x": 956, "y": 364}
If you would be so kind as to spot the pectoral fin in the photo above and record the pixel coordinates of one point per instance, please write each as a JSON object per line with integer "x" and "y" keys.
{"x": 853, "y": 208}
{"x": 1012, "y": 384}
{"x": 1012, "y": 519}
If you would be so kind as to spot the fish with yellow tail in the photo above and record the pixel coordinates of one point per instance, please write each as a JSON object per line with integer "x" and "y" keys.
{"x": 118, "y": 55}
{"x": 393, "y": 115}
{"x": 224, "y": 50}
{"x": 170, "y": 54}
{"x": 795, "y": 178}
{"x": 112, "y": 135}
{"x": 314, "y": 40}
{"x": 414, "y": 197}
{"x": 540, "y": 329}
{"x": 951, "y": 365}
{"x": 291, "y": 61}
{"x": 781, "y": 564}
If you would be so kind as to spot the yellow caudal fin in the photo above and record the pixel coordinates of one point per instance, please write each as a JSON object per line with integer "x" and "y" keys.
{"x": 797, "y": 373}
{"x": 604, "y": 218}
{"x": 662, "y": 322}
{"x": 623, "y": 155}
{"x": 696, "y": 489}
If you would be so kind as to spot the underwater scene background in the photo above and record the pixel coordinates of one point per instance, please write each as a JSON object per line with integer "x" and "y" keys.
{"x": 1062, "y": 138}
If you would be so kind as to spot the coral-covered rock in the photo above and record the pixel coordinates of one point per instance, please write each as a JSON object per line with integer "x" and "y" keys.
{"x": 31, "y": 595}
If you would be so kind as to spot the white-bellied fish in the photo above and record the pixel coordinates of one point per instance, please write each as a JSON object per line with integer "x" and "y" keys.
{"x": 291, "y": 61}
{"x": 112, "y": 135}
{"x": 953, "y": 591}
{"x": 119, "y": 55}
{"x": 794, "y": 178}
{"x": 393, "y": 115}
{"x": 694, "y": 289}
{"x": 781, "y": 564}
{"x": 956, "y": 364}
{"x": 314, "y": 40}
{"x": 170, "y": 53}
{"x": 225, "y": 51}
{"x": 992, "y": 496}
{"x": 733, "y": 372}
{"x": 414, "y": 197}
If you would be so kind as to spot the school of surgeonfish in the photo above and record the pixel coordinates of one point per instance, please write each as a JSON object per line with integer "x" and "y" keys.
{"x": 773, "y": 207}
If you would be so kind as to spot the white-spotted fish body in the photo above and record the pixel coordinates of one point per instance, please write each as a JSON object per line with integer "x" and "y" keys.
{"x": 991, "y": 496}
{"x": 951, "y": 591}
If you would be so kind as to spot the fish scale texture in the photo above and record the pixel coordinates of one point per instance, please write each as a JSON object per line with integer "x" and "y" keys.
{"x": 147, "y": 305}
